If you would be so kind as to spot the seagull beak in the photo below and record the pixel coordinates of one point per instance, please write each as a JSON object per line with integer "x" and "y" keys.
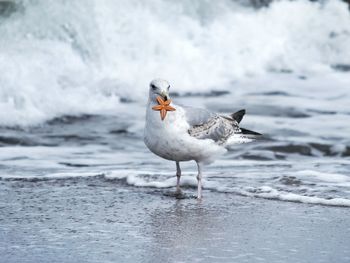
{"x": 165, "y": 95}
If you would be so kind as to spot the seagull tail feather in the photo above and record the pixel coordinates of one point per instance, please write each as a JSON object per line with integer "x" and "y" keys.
{"x": 238, "y": 116}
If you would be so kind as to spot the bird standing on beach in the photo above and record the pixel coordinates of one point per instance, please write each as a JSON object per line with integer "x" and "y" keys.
{"x": 180, "y": 133}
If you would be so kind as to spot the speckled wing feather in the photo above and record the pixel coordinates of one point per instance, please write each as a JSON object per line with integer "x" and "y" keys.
{"x": 207, "y": 125}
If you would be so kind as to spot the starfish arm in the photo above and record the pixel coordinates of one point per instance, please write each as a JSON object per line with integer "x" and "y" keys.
{"x": 169, "y": 108}
{"x": 167, "y": 102}
{"x": 157, "y": 107}
{"x": 160, "y": 100}
{"x": 162, "y": 114}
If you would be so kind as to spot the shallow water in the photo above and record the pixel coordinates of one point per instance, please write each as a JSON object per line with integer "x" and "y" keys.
{"x": 303, "y": 158}
{"x": 94, "y": 219}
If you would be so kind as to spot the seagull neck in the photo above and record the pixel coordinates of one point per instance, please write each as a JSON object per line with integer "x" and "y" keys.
{"x": 152, "y": 99}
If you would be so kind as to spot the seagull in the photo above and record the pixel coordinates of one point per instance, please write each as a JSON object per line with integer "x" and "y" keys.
{"x": 180, "y": 133}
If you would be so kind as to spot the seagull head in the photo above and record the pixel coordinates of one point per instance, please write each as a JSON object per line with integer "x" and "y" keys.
{"x": 159, "y": 87}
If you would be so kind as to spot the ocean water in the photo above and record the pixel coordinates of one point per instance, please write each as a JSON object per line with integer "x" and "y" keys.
{"x": 74, "y": 83}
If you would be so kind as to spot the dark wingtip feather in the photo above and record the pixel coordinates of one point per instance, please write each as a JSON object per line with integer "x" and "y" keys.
{"x": 249, "y": 132}
{"x": 238, "y": 116}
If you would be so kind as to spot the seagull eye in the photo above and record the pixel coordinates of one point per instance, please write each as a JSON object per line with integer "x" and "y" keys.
{"x": 153, "y": 87}
{"x": 168, "y": 87}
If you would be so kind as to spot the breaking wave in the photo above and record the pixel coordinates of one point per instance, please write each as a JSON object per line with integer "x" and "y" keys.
{"x": 81, "y": 57}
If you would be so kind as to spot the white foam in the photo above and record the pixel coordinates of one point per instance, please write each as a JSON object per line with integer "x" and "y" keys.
{"x": 271, "y": 193}
{"x": 167, "y": 180}
{"x": 268, "y": 192}
{"x": 133, "y": 178}
{"x": 77, "y": 58}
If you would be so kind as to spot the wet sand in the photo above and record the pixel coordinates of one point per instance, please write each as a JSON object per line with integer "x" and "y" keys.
{"x": 99, "y": 220}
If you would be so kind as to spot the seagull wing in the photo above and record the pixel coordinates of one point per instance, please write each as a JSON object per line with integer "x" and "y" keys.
{"x": 207, "y": 125}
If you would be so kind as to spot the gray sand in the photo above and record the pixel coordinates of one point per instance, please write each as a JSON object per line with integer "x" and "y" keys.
{"x": 98, "y": 220}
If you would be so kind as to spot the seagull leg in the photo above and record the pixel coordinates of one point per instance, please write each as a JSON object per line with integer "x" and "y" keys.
{"x": 178, "y": 175}
{"x": 199, "y": 179}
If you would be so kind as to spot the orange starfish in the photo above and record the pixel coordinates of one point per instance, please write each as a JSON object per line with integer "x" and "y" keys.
{"x": 163, "y": 107}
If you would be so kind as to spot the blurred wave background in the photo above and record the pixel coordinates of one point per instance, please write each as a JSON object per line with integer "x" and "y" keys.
{"x": 85, "y": 57}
